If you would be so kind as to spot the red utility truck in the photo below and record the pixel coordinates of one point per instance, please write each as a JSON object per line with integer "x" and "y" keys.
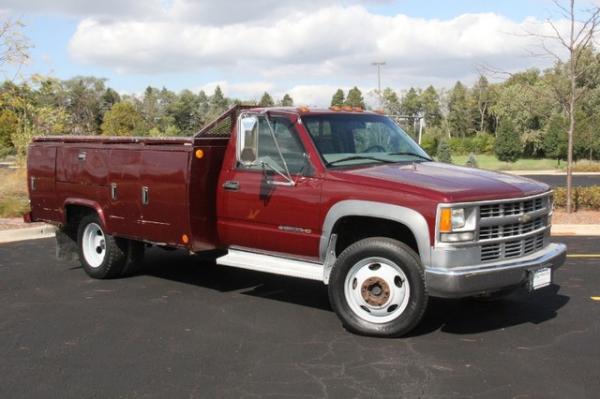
{"x": 341, "y": 196}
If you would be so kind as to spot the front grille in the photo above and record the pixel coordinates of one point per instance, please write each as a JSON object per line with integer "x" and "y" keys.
{"x": 509, "y": 230}
{"x": 512, "y": 249}
{"x": 502, "y": 237}
{"x": 511, "y": 208}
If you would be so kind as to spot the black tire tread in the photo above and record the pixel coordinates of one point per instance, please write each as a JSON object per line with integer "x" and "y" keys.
{"x": 390, "y": 329}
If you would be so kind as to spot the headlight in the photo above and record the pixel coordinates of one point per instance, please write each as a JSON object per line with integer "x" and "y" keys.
{"x": 457, "y": 224}
{"x": 458, "y": 218}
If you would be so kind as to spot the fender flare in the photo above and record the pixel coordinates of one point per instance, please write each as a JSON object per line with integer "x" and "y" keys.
{"x": 412, "y": 219}
{"x": 88, "y": 204}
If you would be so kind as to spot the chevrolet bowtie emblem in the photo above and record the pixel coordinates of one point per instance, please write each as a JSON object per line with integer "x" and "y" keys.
{"x": 525, "y": 218}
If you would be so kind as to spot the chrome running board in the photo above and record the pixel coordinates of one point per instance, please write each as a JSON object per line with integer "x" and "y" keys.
{"x": 272, "y": 264}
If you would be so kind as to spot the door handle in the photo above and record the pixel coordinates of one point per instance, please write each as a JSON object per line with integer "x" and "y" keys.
{"x": 231, "y": 185}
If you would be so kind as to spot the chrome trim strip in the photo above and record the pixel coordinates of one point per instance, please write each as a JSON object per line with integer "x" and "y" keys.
{"x": 512, "y": 219}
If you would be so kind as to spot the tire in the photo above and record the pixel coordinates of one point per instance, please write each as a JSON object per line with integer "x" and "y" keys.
{"x": 377, "y": 288}
{"x": 102, "y": 255}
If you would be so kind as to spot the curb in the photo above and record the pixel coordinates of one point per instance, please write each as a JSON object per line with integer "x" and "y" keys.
{"x": 576, "y": 230}
{"x": 27, "y": 233}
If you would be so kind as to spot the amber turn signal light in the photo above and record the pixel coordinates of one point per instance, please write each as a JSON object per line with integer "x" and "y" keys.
{"x": 445, "y": 220}
{"x": 185, "y": 239}
{"x": 199, "y": 154}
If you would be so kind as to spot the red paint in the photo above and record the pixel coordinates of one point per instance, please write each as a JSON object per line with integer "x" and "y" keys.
{"x": 186, "y": 195}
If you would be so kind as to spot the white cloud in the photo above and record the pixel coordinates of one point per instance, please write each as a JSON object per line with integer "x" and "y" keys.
{"x": 245, "y": 90}
{"x": 331, "y": 41}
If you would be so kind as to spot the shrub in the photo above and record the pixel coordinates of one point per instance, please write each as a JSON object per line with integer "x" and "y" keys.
{"x": 13, "y": 193}
{"x": 429, "y": 143}
{"x": 586, "y": 166}
{"x": 583, "y": 197}
{"x": 484, "y": 143}
{"x": 472, "y": 161}
{"x": 508, "y": 143}
{"x": 443, "y": 152}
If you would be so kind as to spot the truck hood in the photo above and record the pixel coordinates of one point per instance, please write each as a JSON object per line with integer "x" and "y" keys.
{"x": 454, "y": 183}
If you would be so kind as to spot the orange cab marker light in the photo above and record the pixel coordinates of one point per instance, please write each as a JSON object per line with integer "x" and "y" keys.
{"x": 379, "y": 111}
{"x": 185, "y": 239}
{"x": 199, "y": 154}
{"x": 446, "y": 220}
{"x": 303, "y": 109}
{"x": 335, "y": 108}
{"x": 357, "y": 109}
{"x": 347, "y": 108}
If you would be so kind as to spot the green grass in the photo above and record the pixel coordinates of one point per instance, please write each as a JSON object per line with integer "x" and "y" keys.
{"x": 492, "y": 163}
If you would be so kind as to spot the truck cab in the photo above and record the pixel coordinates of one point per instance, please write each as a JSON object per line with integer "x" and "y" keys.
{"x": 339, "y": 195}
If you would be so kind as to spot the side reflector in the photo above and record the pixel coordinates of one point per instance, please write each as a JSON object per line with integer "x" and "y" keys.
{"x": 199, "y": 154}
{"x": 185, "y": 239}
{"x": 446, "y": 220}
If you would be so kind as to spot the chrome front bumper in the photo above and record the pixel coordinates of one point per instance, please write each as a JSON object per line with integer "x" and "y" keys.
{"x": 478, "y": 279}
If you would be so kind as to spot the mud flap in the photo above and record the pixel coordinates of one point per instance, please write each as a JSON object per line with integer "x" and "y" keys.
{"x": 66, "y": 245}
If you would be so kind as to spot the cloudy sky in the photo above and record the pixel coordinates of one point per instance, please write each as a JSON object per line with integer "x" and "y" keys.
{"x": 307, "y": 48}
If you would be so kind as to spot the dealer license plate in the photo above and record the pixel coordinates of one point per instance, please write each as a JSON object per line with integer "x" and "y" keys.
{"x": 541, "y": 278}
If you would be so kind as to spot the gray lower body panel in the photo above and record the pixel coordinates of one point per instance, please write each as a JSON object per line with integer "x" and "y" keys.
{"x": 472, "y": 280}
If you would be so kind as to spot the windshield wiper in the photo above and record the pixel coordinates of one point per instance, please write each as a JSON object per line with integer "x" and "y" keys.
{"x": 410, "y": 153}
{"x": 357, "y": 157}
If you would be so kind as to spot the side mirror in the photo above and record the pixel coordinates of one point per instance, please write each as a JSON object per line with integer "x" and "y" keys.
{"x": 247, "y": 148}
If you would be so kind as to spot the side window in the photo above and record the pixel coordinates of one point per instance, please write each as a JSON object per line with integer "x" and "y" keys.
{"x": 288, "y": 141}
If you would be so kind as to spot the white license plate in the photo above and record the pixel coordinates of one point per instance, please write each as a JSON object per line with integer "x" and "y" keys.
{"x": 541, "y": 278}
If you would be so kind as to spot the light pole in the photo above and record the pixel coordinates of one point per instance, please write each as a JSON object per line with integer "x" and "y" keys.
{"x": 379, "y": 64}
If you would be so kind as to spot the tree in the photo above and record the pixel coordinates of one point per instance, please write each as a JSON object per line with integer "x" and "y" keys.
{"x": 355, "y": 98}
{"x": 14, "y": 46}
{"x": 411, "y": 105}
{"x": 458, "y": 111}
{"x": 122, "y": 120}
{"x": 84, "y": 103}
{"x": 287, "y": 101}
{"x": 430, "y": 105}
{"x": 338, "y": 98}
{"x": 580, "y": 37}
{"x": 187, "y": 113}
{"x": 391, "y": 102}
{"x": 508, "y": 143}
{"x": 9, "y": 122}
{"x": 266, "y": 100}
{"x": 483, "y": 98}
{"x": 443, "y": 152}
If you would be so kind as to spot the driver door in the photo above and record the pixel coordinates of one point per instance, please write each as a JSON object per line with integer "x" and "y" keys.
{"x": 259, "y": 208}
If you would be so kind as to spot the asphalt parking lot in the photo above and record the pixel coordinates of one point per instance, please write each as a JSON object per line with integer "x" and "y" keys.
{"x": 190, "y": 329}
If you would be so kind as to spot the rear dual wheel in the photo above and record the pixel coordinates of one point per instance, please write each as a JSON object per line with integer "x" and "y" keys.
{"x": 377, "y": 288}
{"x": 104, "y": 256}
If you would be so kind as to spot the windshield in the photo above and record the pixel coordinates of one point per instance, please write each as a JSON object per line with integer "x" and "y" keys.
{"x": 358, "y": 139}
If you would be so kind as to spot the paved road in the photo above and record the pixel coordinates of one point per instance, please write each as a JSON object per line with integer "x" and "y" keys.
{"x": 561, "y": 180}
{"x": 188, "y": 329}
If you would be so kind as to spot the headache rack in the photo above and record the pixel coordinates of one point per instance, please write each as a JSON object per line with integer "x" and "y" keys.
{"x": 223, "y": 125}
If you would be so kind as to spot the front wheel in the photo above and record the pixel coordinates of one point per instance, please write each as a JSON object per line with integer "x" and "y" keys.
{"x": 377, "y": 288}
